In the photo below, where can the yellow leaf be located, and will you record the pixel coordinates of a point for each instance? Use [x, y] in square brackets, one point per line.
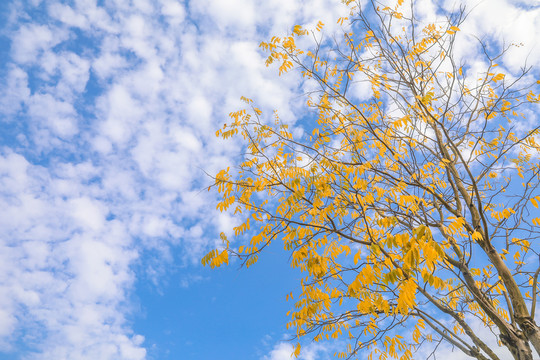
[357, 257]
[297, 350]
[477, 236]
[507, 212]
[341, 20]
[498, 77]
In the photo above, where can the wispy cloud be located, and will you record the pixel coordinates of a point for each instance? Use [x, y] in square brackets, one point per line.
[309, 351]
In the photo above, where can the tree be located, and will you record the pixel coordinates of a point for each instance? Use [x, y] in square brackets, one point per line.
[412, 213]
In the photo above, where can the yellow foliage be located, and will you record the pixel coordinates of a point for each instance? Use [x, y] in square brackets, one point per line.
[399, 209]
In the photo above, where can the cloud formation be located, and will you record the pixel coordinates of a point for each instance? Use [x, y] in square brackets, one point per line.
[109, 112]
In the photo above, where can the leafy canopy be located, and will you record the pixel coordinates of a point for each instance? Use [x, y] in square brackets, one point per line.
[411, 211]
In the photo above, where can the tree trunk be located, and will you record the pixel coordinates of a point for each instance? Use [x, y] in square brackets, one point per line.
[518, 345]
[531, 331]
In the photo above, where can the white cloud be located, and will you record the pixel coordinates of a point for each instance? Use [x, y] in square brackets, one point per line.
[282, 351]
[87, 212]
[58, 117]
[109, 64]
[32, 40]
[16, 92]
[8, 323]
[122, 113]
[68, 15]
[63, 264]
[174, 12]
[73, 70]
[239, 15]
[500, 21]
[309, 351]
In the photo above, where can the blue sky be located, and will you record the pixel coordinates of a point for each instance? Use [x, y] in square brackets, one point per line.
[108, 111]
